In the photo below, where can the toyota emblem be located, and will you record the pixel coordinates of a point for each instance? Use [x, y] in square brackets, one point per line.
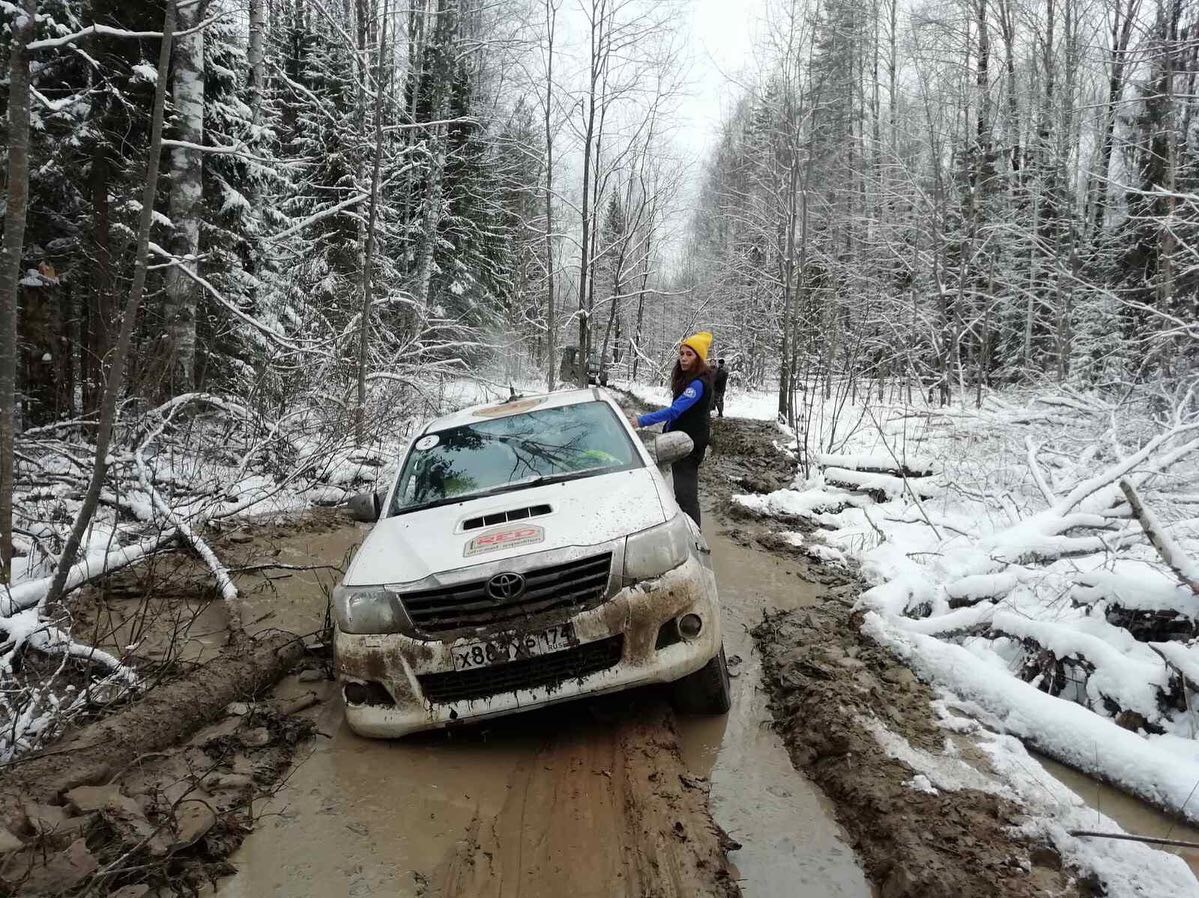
[506, 586]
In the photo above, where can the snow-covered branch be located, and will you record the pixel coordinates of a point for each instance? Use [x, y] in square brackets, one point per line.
[108, 31]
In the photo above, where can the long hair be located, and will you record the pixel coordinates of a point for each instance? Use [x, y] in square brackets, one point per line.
[680, 378]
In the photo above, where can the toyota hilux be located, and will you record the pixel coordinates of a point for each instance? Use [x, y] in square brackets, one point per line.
[527, 552]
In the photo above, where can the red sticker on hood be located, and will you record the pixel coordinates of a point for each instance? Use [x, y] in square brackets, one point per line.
[504, 538]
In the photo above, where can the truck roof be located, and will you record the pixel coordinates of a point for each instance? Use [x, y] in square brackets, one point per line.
[503, 408]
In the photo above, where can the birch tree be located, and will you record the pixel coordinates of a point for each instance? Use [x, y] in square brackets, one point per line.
[186, 177]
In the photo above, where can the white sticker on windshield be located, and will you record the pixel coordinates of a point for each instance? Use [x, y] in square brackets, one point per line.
[426, 443]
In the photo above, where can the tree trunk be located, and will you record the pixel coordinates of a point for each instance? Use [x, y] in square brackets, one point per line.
[116, 374]
[636, 353]
[257, 59]
[432, 221]
[1167, 244]
[100, 311]
[444, 38]
[551, 317]
[1007, 28]
[44, 350]
[369, 252]
[597, 39]
[10, 264]
[1121, 35]
[785, 397]
[181, 293]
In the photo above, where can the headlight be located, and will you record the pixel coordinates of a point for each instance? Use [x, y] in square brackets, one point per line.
[366, 609]
[657, 550]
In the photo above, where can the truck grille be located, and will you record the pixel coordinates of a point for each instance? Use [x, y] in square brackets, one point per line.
[527, 673]
[571, 587]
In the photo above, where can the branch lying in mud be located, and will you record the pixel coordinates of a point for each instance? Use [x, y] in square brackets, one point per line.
[199, 546]
[1130, 837]
[281, 566]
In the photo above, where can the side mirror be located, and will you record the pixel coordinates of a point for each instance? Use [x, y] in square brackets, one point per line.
[671, 447]
[364, 507]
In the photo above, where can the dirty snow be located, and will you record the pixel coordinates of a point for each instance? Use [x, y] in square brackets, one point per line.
[1125, 868]
[1015, 575]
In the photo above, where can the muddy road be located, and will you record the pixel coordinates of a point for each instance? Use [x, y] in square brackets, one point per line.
[616, 796]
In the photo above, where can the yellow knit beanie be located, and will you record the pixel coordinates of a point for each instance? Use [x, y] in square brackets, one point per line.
[700, 343]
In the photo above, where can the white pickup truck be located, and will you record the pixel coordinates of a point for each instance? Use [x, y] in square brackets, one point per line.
[528, 552]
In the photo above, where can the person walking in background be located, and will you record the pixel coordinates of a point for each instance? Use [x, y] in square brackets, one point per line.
[720, 379]
[691, 387]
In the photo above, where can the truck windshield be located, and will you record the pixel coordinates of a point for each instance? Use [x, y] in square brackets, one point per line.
[507, 453]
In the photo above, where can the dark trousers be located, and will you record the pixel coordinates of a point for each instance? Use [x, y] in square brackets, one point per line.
[685, 474]
[718, 401]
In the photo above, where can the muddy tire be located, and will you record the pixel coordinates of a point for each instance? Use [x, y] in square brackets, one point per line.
[707, 690]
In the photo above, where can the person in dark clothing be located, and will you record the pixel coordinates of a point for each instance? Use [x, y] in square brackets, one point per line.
[691, 387]
[720, 380]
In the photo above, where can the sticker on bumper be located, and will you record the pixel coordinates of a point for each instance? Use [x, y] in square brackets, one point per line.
[507, 538]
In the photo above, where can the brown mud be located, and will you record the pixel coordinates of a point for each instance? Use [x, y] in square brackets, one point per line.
[156, 792]
[823, 676]
[610, 797]
[601, 811]
[589, 798]
[165, 822]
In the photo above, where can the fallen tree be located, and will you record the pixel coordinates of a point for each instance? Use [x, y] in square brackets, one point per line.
[159, 719]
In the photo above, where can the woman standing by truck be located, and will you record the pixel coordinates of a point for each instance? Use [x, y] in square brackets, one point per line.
[691, 387]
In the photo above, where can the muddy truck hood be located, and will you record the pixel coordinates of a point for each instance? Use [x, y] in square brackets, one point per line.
[583, 512]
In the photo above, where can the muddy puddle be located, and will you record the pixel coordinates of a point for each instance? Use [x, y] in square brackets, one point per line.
[791, 845]
[1133, 815]
[526, 804]
[167, 609]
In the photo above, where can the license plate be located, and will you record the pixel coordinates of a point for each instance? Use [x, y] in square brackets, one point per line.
[510, 648]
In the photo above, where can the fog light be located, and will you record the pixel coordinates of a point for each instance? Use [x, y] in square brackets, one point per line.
[690, 626]
[668, 635]
[366, 694]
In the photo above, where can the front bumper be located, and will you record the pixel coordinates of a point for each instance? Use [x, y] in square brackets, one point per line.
[396, 662]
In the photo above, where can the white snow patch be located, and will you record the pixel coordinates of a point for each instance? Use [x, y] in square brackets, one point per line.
[1058, 727]
[921, 783]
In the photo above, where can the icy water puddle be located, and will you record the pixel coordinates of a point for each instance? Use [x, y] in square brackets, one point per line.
[1133, 815]
[792, 847]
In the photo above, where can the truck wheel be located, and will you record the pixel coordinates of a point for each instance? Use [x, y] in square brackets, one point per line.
[707, 690]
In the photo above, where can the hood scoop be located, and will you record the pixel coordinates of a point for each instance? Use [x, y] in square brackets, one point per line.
[503, 517]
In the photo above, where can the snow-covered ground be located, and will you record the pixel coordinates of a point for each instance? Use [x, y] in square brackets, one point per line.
[1006, 567]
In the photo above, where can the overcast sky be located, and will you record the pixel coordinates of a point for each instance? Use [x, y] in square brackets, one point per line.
[719, 40]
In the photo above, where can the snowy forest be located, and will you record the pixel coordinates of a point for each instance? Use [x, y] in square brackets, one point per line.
[948, 248]
[964, 194]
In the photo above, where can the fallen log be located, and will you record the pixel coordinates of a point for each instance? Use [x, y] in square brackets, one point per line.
[876, 464]
[881, 487]
[164, 716]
